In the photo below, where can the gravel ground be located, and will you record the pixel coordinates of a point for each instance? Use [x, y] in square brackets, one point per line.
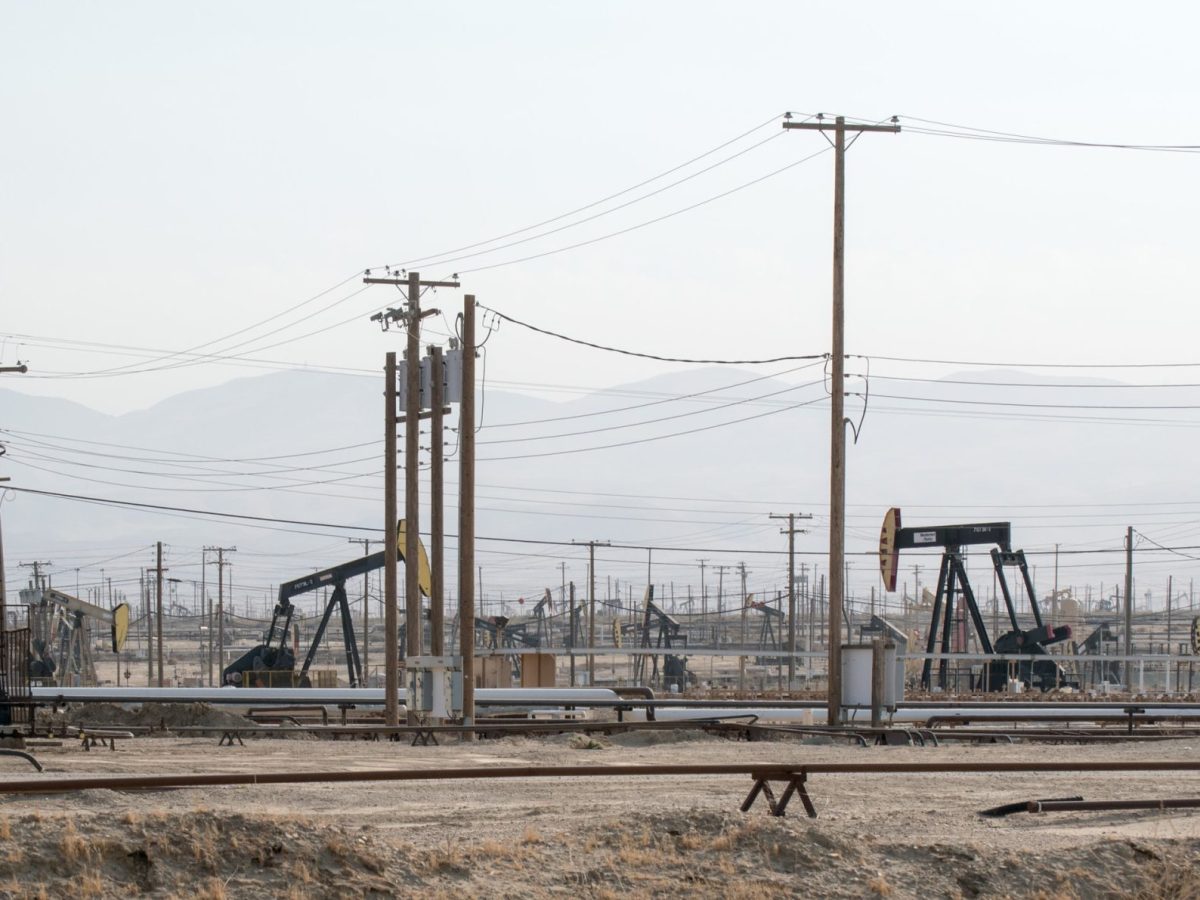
[876, 835]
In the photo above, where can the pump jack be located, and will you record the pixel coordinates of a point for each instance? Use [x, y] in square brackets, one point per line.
[670, 635]
[257, 665]
[952, 581]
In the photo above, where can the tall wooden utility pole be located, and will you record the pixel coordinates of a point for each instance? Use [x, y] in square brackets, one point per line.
[466, 516]
[411, 316]
[148, 610]
[206, 611]
[158, 607]
[791, 531]
[745, 610]
[366, 618]
[592, 545]
[437, 525]
[1128, 605]
[837, 376]
[391, 637]
[221, 564]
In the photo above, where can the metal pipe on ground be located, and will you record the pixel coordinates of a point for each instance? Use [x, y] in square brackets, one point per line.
[761, 771]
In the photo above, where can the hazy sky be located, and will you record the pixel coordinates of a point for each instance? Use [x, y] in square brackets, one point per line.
[215, 177]
[174, 173]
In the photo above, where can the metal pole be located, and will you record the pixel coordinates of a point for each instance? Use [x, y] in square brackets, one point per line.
[391, 641]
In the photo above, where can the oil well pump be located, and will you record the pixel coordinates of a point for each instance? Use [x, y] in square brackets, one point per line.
[60, 635]
[263, 664]
[954, 585]
[670, 635]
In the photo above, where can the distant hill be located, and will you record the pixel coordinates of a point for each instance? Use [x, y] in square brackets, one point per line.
[953, 460]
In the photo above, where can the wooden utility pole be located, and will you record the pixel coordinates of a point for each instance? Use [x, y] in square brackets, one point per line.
[411, 316]
[221, 564]
[148, 610]
[745, 610]
[158, 607]
[721, 570]
[591, 545]
[366, 617]
[837, 375]
[791, 531]
[391, 638]
[466, 515]
[206, 611]
[437, 525]
[1128, 605]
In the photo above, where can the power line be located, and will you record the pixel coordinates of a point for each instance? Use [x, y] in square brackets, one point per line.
[1031, 365]
[593, 204]
[654, 221]
[984, 134]
[654, 356]
[434, 261]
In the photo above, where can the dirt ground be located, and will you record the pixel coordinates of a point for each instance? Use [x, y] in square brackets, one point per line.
[876, 836]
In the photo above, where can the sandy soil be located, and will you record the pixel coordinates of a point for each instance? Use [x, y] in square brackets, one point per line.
[895, 836]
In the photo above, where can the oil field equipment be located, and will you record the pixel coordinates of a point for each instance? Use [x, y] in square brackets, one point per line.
[670, 635]
[60, 629]
[1036, 670]
[272, 663]
[771, 633]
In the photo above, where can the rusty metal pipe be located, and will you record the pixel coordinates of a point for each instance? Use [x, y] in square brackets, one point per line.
[1044, 806]
[763, 771]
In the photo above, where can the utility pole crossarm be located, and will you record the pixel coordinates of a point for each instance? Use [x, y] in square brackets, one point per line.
[404, 281]
[830, 126]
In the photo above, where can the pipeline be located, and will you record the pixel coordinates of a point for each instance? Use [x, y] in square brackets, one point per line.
[1045, 806]
[771, 771]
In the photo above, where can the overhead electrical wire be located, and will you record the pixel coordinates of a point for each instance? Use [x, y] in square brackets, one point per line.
[671, 171]
[670, 215]
[675, 359]
[948, 129]
[534, 237]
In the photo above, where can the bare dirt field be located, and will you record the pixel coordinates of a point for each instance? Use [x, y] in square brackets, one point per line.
[876, 836]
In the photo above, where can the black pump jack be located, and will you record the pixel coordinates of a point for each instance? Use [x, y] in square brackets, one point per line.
[953, 581]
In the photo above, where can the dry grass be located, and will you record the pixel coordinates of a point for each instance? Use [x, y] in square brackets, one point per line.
[531, 835]
[89, 884]
[71, 846]
[212, 889]
[5, 829]
[131, 818]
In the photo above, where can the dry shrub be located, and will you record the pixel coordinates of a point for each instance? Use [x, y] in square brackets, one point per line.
[5, 829]
[446, 858]
[880, 886]
[531, 835]
[495, 849]
[336, 846]
[131, 818]
[302, 873]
